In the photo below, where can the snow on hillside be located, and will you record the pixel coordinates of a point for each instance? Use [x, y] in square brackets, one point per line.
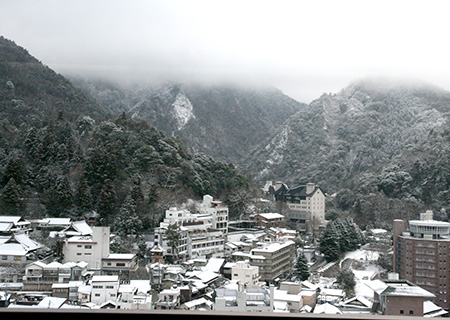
[182, 110]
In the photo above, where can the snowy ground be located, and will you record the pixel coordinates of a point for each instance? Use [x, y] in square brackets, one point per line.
[363, 264]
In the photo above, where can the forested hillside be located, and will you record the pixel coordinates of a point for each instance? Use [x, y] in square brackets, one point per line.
[222, 120]
[62, 155]
[340, 135]
[380, 146]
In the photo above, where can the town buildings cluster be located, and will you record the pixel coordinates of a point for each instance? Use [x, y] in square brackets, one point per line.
[198, 259]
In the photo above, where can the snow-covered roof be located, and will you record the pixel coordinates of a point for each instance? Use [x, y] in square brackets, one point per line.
[205, 276]
[6, 226]
[80, 228]
[12, 219]
[432, 310]
[57, 221]
[51, 303]
[327, 308]
[18, 245]
[197, 302]
[283, 295]
[214, 264]
[121, 256]
[272, 215]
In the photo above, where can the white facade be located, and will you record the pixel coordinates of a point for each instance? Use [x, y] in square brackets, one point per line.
[202, 234]
[243, 272]
[244, 300]
[104, 288]
[168, 299]
[218, 211]
[91, 249]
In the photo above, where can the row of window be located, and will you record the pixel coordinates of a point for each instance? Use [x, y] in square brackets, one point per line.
[101, 287]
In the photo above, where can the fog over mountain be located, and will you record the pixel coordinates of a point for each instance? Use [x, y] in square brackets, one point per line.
[304, 48]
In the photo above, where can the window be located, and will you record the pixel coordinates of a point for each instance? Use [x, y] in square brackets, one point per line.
[402, 312]
[411, 312]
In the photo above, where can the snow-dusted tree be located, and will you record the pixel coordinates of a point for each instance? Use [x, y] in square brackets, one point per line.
[10, 198]
[173, 238]
[346, 278]
[329, 244]
[302, 267]
[128, 221]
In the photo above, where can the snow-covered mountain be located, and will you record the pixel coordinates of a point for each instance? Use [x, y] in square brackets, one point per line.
[223, 121]
[340, 135]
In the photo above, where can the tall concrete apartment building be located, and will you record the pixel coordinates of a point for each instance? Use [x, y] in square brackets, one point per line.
[422, 254]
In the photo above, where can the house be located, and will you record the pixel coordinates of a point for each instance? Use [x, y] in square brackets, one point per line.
[76, 228]
[168, 299]
[17, 249]
[134, 295]
[61, 290]
[14, 224]
[89, 248]
[240, 299]
[51, 303]
[356, 305]
[200, 304]
[326, 308]
[40, 275]
[157, 254]
[289, 293]
[333, 296]
[243, 272]
[73, 290]
[104, 288]
[270, 220]
[399, 297]
[431, 310]
[55, 223]
[122, 264]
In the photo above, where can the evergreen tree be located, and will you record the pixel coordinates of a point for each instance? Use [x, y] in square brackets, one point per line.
[15, 168]
[173, 238]
[60, 198]
[10, 197]
[302, 267]
[107, 202]
[83, 198]
[346, 278]
[329, 244]
[127, 221]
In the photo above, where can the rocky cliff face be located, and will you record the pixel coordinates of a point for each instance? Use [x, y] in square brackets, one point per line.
[223, 121]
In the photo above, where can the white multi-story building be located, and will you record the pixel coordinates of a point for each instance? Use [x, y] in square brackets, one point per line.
[218, 211]
[202, 234]
[244, 300]
[92, 248]
[243, 272]
[104, 288]
[306, 204]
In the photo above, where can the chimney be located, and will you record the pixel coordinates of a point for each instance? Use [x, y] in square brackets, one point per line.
[393, 276]
[310, 188]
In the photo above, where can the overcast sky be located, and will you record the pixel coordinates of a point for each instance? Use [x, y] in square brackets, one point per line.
[304, 48]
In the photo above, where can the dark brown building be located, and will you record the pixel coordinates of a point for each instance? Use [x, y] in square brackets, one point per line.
[422, 253]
